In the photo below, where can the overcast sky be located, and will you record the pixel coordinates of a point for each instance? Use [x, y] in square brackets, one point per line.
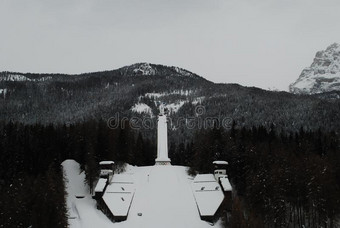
[263, 43]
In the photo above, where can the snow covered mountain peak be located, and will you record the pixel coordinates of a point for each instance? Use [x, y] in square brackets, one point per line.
[139, 69]
[323, 75]
[334, 47]
[144, 69]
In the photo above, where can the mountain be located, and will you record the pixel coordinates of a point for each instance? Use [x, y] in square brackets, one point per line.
[154, 69]
[136, 91]
[61, 98]
[322, 76]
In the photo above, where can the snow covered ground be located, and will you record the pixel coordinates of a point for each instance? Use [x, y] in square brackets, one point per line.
[172, 107]
[3, 92]
[163, 196]
[21, 78]
[142, 108]
[175, 92]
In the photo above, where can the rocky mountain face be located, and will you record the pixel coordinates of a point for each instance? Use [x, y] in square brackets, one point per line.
[136, 90]
[322, 76]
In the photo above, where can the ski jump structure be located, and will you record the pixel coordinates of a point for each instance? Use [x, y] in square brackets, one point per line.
[114, 193]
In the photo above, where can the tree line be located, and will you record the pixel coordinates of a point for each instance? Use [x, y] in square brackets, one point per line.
[32, 191]
[280, 180]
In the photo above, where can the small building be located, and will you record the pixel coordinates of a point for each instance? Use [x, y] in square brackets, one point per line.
[220, 173]
[220, 169]
[117, 198]
[208, 196]
[106, 169]
[114, 193]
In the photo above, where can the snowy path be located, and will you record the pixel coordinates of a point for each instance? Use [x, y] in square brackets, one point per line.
[163, 196]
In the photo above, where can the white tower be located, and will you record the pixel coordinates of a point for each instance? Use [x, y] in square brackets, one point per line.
[162, 139]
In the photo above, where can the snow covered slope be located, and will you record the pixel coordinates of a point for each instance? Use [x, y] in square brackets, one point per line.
[154, 69]
[20, 78]
[323, 75]
[163, 197]
[80, 209]
[142, 108]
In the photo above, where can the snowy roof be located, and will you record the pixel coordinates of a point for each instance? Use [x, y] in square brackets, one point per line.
[100, 185]
[106, 163]
[225, 183]
[120, 188]
[118, 195]
[206, 186]
[220, 163]
[204, 178]
[122, 178]
[118, 203]
[208, 194]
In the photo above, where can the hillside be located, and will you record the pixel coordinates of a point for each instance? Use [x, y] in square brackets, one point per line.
[135, 91]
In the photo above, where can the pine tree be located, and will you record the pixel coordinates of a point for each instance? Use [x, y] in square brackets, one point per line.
[139, 151]
[91, 166]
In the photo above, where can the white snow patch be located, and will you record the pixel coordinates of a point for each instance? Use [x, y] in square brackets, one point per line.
[3, 92]
[144, 69]
[42, 79]
[144, 108]
[183, 72]
[182, 92]
[175, 92]
[154, 95]
[20, 78]
[75, 184]
[198, 100]
[174, 107]
[141, 108]
[14, 77]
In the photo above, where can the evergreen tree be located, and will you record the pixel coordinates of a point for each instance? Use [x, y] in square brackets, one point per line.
[91, 166]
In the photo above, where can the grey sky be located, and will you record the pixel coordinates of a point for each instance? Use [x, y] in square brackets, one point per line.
[263, 43]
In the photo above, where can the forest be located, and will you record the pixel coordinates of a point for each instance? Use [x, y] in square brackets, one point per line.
[31, 179]
[72, 99]
[280, 179]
